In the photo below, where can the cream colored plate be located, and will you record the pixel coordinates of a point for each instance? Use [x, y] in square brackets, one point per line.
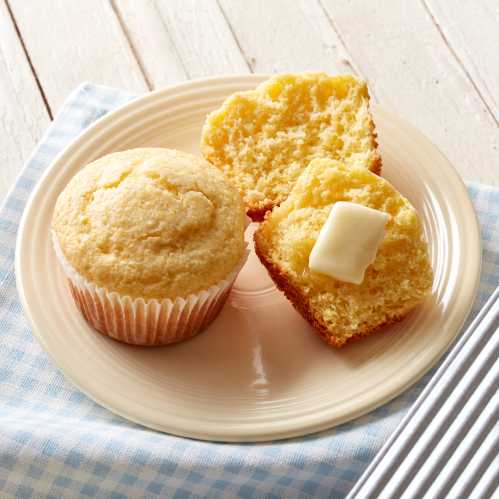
[259, 372]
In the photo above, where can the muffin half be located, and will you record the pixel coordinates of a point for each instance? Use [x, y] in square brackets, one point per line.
[263, 139]
[151, 241]
[398, 279]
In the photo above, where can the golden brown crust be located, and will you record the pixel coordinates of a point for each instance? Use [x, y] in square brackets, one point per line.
[302, 305]
[376, 165]
[257, 214]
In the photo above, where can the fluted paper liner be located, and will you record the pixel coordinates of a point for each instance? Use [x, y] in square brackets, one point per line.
[146, 322]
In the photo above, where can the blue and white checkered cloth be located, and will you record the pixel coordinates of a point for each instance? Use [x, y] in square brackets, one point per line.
[55, 442]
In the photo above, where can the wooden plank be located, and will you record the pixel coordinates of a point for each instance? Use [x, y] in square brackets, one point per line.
[471, 30]
[281, 36]
[413, 72]
[72, 42]
[202, 37]
[177, 39]
[23, 116]
[152, 43]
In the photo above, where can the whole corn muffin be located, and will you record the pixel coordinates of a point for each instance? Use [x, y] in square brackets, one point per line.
[399, 278]
[154, 229]
[263, 139]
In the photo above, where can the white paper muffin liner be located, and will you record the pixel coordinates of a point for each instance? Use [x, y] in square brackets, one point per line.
[146, 322]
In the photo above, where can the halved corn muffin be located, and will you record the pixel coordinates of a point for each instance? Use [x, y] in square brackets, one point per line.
[399, 278]
[263, 139]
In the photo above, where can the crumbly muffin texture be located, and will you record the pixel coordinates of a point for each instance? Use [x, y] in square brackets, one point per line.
[398, 279]
[264, 138]
[151, 223]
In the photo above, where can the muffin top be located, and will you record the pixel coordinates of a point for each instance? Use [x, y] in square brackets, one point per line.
[150, 223]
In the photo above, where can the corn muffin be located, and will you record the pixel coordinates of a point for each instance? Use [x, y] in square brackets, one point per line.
[263, 139]
[156, 228]
[399, 278]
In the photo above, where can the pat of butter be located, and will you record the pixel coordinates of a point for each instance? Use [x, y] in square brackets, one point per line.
[348, 242]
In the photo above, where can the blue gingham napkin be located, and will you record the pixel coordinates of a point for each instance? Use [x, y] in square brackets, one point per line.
[55, 442]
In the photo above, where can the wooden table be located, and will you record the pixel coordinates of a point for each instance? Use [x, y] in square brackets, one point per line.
[435, 62]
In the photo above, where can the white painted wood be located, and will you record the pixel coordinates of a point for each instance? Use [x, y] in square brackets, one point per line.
[23, 116]
[195, 31]
[413, 72]
[471, 29]
[202, 37]
[431, 61]
[152, 43]
[72, 42]
[281, 36]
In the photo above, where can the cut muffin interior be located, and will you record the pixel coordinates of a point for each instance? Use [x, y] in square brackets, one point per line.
[264, 138]
[399, 278]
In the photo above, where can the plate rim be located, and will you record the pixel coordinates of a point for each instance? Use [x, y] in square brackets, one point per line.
[312, 427]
